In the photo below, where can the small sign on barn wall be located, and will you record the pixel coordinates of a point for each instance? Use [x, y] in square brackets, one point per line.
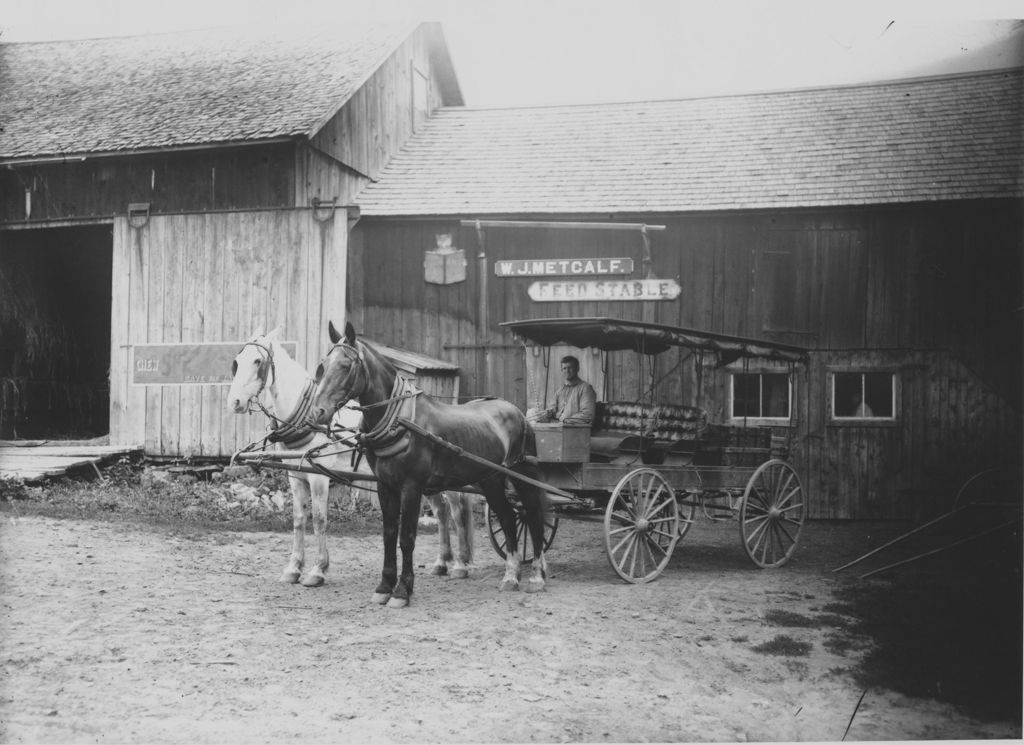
[446, 265]
[606, 289]
[561, 267]
[188, 364]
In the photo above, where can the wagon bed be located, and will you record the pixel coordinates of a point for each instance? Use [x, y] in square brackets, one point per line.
[649, 467]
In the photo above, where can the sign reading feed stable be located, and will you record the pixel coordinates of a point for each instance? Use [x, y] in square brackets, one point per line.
[607, 289]
[188, 364]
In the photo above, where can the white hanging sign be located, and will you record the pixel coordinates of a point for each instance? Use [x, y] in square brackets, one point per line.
[604, 289]
[565, 267]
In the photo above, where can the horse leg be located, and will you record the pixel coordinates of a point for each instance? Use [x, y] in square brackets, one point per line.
[318, 487]
[494, 492]
[534, 503]
[389, 511]
[411, 499]
[461, 506]
[439, 504]
[300, 492]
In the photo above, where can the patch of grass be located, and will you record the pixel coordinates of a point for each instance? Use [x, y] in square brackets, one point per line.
[784, 646]
[789, 619]
[842, 609]
[797, 668]
[793, 620]
[833, 620]
[839, 644]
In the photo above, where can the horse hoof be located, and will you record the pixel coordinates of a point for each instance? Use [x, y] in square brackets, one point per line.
[460, 573]
[534, 586]
[509, 586]
[398, 602]
[313, 580]
[380, 598]
[439, 570]
[290, 577]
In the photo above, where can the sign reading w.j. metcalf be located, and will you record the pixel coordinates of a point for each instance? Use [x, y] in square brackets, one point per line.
[561, 267]
[604, 289]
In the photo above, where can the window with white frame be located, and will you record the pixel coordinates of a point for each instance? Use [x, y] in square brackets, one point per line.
[761, 395]
[863, 395]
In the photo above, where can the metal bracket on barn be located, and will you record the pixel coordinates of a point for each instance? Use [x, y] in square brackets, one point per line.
[323, 209]
[354, 213]
[138, 214]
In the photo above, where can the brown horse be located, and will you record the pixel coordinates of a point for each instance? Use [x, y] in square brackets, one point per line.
[409, 463]
[265, 376]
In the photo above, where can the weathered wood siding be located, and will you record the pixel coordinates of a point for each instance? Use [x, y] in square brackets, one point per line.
[933, 291]
[356, 143]
[222, 179]
[210, 278]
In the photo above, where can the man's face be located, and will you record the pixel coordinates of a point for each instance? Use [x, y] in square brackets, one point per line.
[569, 371]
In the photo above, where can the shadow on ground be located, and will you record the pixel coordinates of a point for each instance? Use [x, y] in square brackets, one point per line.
[946, 627]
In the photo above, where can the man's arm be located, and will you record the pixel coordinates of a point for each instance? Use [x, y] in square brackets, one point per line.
[587, 407]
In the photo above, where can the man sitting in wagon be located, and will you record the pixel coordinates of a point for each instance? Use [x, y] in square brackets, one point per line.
[576, 400]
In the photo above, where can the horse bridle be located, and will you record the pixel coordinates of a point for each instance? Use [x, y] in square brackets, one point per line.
[348, 385]
[266, 369]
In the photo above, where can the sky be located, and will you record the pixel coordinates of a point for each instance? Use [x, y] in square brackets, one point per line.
[530, 53]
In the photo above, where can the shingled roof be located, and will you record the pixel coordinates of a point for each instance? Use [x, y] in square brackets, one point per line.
[955, 137]
[182, 89]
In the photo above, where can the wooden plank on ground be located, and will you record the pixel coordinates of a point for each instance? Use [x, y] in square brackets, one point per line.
[37, 463]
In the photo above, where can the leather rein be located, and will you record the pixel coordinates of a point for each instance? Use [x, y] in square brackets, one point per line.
[387, 436]
[293, 431]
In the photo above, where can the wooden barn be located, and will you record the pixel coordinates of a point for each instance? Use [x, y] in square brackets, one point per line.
[163, 197]
[879, 226]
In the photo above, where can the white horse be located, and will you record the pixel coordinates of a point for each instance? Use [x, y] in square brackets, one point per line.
[264, 374]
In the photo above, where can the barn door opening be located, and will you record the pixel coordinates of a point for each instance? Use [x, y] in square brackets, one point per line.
[55, 287]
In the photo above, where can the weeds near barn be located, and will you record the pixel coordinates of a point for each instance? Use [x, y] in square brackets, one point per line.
[148, 495]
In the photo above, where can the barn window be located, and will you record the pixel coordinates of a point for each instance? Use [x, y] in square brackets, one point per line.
[863, 395]
[761, 395]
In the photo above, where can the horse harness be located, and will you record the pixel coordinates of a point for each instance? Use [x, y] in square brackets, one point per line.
[293, 432]
[390, 437]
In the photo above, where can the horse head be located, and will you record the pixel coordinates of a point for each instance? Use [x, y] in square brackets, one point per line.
[251, 370]
[340, 377]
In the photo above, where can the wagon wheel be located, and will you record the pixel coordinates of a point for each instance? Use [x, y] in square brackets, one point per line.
[688, 504]
[497, 535]
[772, 513]
[641, 525]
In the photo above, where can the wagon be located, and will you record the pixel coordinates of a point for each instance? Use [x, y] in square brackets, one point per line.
[649, 468]
[645, 468]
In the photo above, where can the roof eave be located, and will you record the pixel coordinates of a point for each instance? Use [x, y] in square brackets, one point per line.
[50, 158]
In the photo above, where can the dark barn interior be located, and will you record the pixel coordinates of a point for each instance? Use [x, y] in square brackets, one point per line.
[55, 300]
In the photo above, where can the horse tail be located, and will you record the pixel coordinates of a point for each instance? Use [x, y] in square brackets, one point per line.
[466, 517]
[529, 439]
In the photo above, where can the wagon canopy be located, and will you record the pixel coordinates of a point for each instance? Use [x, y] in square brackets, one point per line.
[614, 334]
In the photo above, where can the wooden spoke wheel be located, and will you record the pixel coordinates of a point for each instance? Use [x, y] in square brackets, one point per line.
[772, 513]
[688, 504]
[497, 535]
[641, 525]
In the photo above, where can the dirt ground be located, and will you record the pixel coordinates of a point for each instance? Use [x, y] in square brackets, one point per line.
[115, 632]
